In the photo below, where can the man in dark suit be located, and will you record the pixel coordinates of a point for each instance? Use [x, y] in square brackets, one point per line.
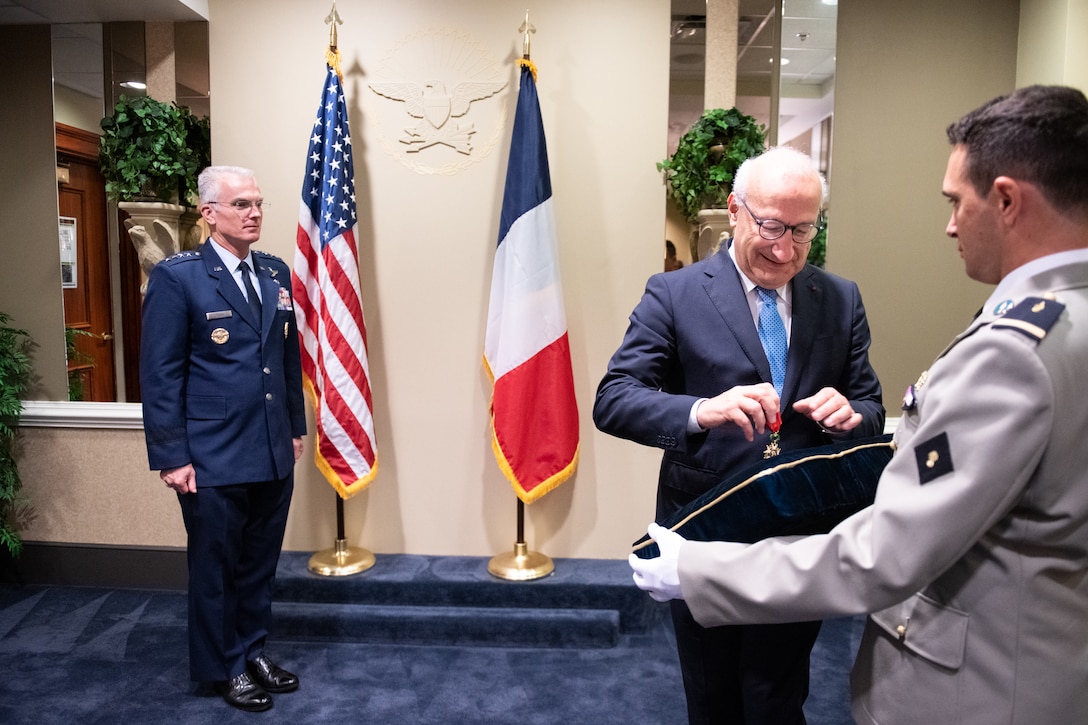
[700, 374]
[224, 417]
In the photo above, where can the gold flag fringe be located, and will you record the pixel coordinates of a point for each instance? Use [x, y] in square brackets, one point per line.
[332, 57]
[526, 63]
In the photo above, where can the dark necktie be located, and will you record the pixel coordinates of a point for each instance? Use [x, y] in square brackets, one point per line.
[772, 333]
[251, 293]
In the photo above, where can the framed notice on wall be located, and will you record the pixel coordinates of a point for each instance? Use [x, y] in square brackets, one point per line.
[68, 275]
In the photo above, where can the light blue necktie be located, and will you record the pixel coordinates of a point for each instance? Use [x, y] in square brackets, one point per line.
[772, 333]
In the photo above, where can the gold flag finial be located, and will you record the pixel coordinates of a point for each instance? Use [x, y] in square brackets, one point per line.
[526, 28]
[332, 55]
[332, 20]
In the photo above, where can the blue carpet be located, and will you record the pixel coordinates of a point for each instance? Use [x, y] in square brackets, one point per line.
[87, 655]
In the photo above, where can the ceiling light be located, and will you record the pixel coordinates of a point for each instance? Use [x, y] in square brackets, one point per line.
[683, 31]
[135, 85]
[830, 2]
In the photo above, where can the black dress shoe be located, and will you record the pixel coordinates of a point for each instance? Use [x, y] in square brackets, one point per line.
[271, 676]
[245, 694]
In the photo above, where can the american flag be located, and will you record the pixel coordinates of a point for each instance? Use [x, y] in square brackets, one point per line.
[534, 416]
[328, 304]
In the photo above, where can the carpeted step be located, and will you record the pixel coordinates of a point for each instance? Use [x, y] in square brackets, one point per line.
[403, 598]
[446, 626]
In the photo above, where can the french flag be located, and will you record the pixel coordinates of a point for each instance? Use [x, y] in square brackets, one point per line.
[534, 415]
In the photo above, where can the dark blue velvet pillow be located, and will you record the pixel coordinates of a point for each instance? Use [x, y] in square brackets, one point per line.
[807, 491]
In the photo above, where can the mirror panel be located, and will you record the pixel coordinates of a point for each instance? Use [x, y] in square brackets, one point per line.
[94, 64]
[795, 106]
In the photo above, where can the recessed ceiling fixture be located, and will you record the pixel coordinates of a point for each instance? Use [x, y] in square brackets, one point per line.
[686, 27]
[688, 58]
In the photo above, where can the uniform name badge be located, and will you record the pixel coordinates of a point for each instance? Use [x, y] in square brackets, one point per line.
[772, 448]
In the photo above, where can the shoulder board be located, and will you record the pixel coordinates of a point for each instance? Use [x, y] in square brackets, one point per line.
[182, 256]
[1032, 316]
[266, 255]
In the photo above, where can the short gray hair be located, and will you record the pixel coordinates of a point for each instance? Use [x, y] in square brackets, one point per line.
[795, 160]
[208, 182]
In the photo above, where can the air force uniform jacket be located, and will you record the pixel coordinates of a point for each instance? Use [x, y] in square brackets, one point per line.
[220, 389]
[974, 555]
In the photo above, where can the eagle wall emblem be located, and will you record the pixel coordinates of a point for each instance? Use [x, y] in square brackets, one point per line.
[435, 106]
[437, 110]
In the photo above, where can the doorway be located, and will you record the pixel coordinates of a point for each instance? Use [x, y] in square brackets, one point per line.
[85, 259]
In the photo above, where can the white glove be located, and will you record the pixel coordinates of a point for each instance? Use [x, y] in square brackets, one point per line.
[660, 577]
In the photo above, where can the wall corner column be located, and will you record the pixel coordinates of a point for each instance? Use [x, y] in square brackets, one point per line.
[720, 84]
[159, 56]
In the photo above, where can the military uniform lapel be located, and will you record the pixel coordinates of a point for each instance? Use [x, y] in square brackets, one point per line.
[226, 284]
[270, 294]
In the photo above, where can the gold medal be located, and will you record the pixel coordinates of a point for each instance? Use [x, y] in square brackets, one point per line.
[220, 335]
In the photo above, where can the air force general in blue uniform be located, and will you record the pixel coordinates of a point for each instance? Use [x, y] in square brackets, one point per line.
[223, 410]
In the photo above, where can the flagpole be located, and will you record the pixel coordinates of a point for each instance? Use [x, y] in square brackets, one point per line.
[522, 564]
[341, 559]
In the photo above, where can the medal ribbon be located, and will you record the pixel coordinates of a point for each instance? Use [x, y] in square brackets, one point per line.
[772, 449]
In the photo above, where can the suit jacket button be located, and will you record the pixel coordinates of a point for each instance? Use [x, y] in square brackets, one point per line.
[267, 371]
[268, 396]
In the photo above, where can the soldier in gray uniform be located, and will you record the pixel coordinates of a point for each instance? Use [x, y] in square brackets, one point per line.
[974, 556]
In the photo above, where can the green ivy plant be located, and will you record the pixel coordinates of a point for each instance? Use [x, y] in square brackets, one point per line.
[700, 173]
[15, 370]
[198, 137]
[817, 253]
[152, 151]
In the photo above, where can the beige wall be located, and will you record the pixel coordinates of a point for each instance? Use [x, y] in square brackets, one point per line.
[73, 108]
[893, 101]
[30, 247]
[94, 487]
[427, 242]
[1052, 47]
[426, 249]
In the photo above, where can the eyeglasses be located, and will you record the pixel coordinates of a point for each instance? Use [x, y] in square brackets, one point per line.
[242, 205]
[771, 229]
